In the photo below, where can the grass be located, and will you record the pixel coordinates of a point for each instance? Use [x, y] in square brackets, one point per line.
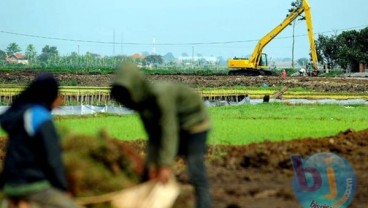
[240, 124]
[253, 92]
[259, 92]
[127, 127]
[276, 121]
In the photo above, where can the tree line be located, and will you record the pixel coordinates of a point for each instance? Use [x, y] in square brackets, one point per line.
[346, 50]
[49, 58]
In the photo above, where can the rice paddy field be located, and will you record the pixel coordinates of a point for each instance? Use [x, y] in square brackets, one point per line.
[240, 124]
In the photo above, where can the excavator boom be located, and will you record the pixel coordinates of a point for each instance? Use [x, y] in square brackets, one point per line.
[312, 46]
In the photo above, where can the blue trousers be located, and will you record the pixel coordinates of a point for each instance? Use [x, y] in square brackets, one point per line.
[193, 147]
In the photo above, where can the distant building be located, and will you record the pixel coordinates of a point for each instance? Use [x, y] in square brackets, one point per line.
[208, 60]
[17, 58]
[137, 56]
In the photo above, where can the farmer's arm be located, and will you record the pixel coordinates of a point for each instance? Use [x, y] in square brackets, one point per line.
[52, 164]
[168, 123]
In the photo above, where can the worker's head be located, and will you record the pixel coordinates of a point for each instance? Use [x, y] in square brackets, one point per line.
[44, 90]
[130, 87]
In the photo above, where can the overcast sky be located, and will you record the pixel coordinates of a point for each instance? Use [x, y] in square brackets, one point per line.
[175, 26]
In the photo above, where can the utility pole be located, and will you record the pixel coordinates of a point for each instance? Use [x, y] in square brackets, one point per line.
[113, 44]
[192, 57]
[153, 46]
[121, 43]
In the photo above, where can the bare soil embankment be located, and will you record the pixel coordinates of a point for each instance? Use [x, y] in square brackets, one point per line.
[260, 175]
[312, 83]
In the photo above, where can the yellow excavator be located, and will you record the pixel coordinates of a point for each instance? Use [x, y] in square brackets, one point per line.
[257, 63]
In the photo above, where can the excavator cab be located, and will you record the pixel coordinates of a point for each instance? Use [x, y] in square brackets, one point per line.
[263, 63]
[243, 66]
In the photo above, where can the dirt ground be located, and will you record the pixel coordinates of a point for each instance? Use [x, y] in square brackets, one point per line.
[339, 84]
[260, 175]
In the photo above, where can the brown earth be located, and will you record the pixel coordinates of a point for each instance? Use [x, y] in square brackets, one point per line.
[314, 83]
[260, 175]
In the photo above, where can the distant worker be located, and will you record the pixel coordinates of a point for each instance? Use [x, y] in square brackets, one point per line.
[176, 121]
[247, 98]
[33, 171]
[266, 98]
[283, 74]
[302, 71]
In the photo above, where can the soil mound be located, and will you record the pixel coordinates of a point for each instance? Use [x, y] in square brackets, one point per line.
[323, 84]
[260, 175]
[256, 175]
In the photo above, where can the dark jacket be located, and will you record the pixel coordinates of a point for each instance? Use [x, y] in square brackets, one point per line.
[165, 108]
[33, 155]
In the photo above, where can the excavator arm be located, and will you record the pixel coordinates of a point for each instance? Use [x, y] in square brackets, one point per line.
[312, 46]
[256, 55]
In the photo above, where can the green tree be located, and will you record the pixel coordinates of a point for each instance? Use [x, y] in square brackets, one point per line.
[169, 57]
[302, 61]
[2, 56]
[48, 52]
[201, 61]
[222, 61]
[327, 49]
[145, 53]
[31, 52]
[94, 55]
[153, 59]
[347, 49]
[13, 48]
[349, 53]
[363, 45]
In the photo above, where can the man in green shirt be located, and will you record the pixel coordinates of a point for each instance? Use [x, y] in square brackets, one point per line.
[176, 121]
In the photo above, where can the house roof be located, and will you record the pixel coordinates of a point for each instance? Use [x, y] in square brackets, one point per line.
[137, 56]
[17, 56]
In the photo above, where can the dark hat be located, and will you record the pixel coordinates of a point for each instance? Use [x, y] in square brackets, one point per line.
[42, 90]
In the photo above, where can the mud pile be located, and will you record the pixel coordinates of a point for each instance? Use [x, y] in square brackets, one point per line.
[260, 175]
[95, 166]
[324, 84]
[255, 176]
[99, 165]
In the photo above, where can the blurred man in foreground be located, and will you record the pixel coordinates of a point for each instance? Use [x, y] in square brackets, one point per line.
[176, 121]
[33, 171]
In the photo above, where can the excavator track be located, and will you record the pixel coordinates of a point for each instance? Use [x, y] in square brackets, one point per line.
[252, 72]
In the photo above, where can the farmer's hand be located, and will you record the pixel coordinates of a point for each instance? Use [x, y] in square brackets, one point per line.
[164, 174]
